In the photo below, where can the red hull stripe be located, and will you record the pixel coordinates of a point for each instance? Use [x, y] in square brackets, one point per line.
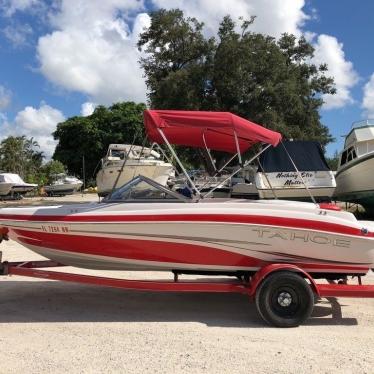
[149, 250]
[232, 218]
[134, 249]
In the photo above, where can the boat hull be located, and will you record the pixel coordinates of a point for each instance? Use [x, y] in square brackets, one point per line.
[198, 242]
[23, 188]
[355, 182]
[5, 188]
[106, 177]
[300, 194]
[289, 185]
[66, 188]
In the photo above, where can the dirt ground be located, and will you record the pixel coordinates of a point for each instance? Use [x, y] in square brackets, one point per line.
[57, 327]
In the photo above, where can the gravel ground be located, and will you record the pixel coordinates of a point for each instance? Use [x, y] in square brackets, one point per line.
[58, 327]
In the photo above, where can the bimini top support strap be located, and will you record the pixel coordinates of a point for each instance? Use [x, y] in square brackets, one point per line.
[299, 174]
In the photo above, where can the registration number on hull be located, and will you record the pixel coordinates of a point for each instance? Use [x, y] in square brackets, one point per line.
[57, 229]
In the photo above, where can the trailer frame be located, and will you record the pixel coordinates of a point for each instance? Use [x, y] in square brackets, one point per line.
[250, 287]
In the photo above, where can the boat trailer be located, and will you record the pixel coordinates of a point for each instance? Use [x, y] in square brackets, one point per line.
[276, 288]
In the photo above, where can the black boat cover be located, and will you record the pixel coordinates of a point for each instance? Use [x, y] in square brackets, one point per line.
[307, 156]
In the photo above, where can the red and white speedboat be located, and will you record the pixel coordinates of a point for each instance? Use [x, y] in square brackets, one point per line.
[276, 249]
[144, 225]
[142, 233]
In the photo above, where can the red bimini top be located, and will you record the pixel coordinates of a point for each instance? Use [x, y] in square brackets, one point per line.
[191, 128]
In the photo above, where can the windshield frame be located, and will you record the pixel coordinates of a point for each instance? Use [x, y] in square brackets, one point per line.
[177, 197]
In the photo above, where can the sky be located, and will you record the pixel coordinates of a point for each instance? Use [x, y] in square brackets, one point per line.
[61, 58]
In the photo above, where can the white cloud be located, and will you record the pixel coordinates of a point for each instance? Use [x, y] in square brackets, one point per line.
[93, 51]
[5, 97]
[38, 123]
[9, 7]
[87, 108]
[328, 50]
[3, 121]
[274, 17]
[17, 34]
[368, 99]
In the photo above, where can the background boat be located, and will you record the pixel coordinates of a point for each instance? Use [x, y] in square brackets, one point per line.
[63, 185]
[277, 176]
[19, 186]
[135, 160]
[5, 187]
[355, 174]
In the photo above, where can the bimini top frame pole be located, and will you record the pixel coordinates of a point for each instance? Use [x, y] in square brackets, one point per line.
[238, 148]
[179, 162]
[237, 171]
[218, 171]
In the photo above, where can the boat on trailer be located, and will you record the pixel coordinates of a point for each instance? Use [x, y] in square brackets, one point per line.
[277, 177]
[274, 249]
[18, 186]
[62, 185]
[5, 188]
[355, 177]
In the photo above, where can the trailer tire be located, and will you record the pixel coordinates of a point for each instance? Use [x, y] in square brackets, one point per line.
[284, 299]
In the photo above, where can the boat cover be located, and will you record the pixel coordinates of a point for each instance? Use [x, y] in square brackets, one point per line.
[189, 128]
[11, 178]
[307, 156]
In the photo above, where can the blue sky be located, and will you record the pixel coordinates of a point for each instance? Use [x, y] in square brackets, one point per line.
[54, 55]
[352, 24]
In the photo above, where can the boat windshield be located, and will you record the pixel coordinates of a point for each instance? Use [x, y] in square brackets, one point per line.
[143, 189]
[364, 123]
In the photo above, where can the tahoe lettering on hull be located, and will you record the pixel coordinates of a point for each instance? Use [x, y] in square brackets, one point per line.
[302, 236]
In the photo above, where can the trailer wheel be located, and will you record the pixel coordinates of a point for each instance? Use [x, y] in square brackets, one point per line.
[284, 299]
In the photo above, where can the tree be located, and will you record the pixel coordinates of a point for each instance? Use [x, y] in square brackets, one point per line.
[269, 81]
[90, 136]
[48, 170]
[21, 155]
[333, 161]
[178, 61]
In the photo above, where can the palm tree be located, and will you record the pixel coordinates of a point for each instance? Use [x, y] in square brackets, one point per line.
[19, 155]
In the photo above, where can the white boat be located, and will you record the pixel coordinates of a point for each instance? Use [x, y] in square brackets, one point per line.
[146, 226]
[244, 184]
[125, 161]
[204, 183]
[5, 187]
[63, 185]
[278, 178]
[18, 185]
[355, 174]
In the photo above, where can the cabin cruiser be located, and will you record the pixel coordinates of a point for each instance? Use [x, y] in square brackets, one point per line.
[278, 178]
[144, 225]
[63, 184]
[18, 186]
[355, 176]
[123, 162]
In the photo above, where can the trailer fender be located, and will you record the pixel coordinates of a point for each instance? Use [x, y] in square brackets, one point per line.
[271, 268]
